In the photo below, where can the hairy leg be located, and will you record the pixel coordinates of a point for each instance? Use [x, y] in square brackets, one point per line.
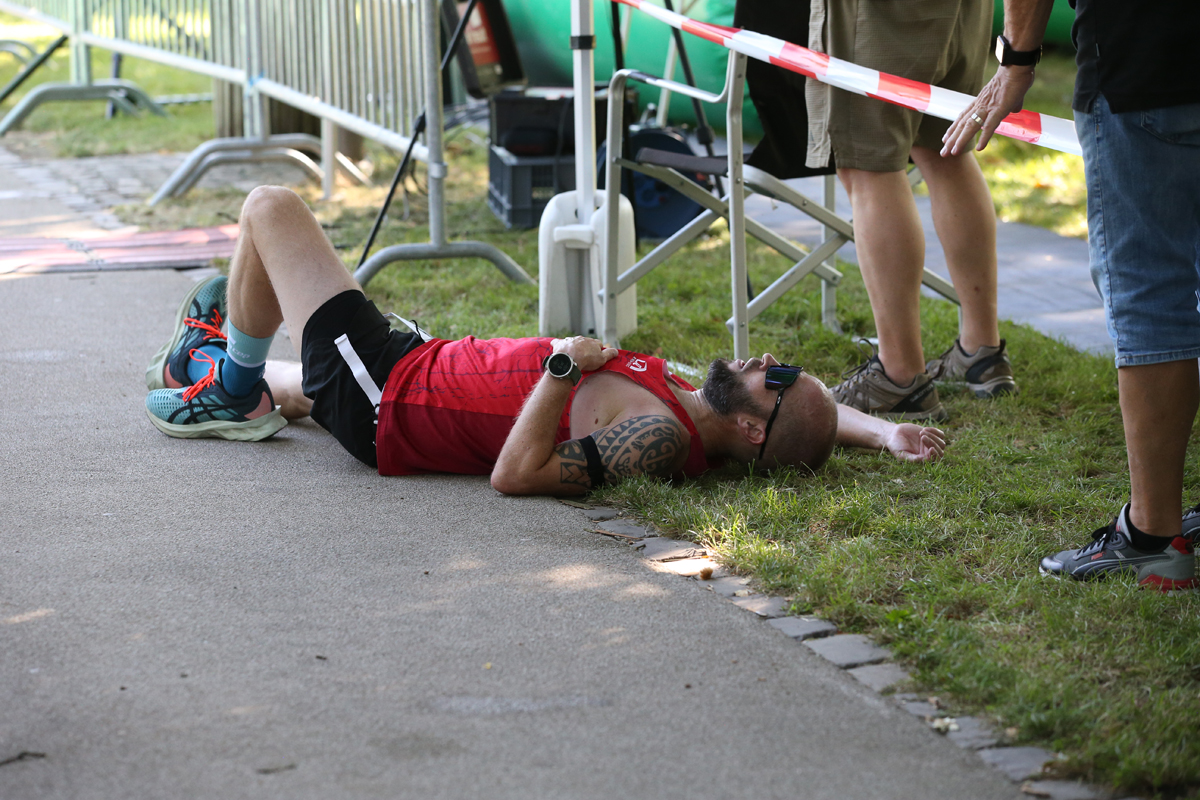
[891, 254]
[965, 220]
[1158, 406]
[284, 268]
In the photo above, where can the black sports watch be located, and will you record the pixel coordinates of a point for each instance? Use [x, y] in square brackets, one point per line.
[1015, 58]
[561, 365]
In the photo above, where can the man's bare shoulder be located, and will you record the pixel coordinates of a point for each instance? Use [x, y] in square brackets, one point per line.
[607, 398]
[635, 431]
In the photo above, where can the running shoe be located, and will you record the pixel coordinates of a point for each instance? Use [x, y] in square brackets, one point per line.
[1111, 552]
[869, 389]
[205, 410]
[197, 323]
[987, 373]
[1191, 525]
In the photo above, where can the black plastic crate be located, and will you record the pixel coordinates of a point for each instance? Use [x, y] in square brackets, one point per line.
[528, 122]
[520, 186]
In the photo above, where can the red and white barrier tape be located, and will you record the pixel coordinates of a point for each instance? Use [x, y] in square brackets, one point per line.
[1028, 126]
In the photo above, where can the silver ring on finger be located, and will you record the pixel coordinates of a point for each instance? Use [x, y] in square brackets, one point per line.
[977, 118]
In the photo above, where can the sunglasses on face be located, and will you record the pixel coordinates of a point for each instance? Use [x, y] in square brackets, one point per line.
[779, 377]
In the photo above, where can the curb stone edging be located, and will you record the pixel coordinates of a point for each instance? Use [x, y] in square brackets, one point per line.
[861, 658]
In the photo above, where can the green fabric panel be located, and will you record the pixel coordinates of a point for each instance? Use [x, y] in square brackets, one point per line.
[543, 32]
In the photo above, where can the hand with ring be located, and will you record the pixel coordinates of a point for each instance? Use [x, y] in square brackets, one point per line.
[1003, 95]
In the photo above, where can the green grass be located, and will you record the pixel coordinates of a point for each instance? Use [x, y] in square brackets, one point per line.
[938, 561]
[79, 128]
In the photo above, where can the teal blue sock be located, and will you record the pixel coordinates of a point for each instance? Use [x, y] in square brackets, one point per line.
[198, 367]
[246, 361]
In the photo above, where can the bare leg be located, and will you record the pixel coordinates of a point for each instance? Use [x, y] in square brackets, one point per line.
[1158, 406]
[283, 268]
[965, 220]
[891, 254]
[284, 378]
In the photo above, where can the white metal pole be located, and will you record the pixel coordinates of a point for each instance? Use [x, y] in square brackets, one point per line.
[735, 81]
[435, 165]
[829, 290]
[612, 199]
[329, 130]
[254, 113]
[583, 40]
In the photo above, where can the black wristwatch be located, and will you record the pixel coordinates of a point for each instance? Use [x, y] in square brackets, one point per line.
[1015, 58]
[561, 365]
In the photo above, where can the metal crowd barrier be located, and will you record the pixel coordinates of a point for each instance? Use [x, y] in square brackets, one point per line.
[367, 66]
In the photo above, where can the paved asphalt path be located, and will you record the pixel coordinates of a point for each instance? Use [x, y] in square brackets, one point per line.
[211, 619]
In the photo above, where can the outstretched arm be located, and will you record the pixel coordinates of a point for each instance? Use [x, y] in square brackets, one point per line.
[1024, 26]
[905, 441]
[530, 463]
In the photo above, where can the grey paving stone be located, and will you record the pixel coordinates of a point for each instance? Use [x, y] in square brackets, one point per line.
[1018, 763]
[625, 529]
[663, 549]
[880, 676]
[600, 514]
[973, 734]
[849, 650]
[763, 605]
[803, 627]
[727, 586]
[1061, 790]
[920, 708]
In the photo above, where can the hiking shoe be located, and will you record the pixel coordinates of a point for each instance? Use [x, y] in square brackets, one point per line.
[197, 323]
[869, 389]
[205, 410]
[1111, 552]
[987, 373]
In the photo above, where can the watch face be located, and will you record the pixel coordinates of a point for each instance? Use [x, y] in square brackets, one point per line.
[1000, 49]
[559, 365]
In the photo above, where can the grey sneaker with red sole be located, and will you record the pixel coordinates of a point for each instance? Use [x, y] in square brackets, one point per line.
[1111, 552]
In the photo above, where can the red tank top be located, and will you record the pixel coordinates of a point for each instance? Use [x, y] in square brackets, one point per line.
[449, 406]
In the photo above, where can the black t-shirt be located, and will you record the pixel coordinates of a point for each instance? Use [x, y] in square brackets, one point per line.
[1139, 54]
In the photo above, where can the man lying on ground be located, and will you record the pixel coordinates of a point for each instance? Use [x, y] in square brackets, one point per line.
[541, 416]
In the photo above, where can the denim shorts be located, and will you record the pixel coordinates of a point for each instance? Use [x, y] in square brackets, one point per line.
[1143, 189]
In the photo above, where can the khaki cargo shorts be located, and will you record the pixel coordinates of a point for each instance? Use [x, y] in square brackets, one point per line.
[940, 42]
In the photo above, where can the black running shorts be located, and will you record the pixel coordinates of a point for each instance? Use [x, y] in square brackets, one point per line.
[340, 406]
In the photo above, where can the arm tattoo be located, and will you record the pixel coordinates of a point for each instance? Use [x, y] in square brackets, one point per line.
[574, 464]
[648, 445]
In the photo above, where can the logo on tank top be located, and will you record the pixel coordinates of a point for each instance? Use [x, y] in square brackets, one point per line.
[636, 364]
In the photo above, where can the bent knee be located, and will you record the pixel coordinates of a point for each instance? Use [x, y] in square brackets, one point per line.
[272, 202]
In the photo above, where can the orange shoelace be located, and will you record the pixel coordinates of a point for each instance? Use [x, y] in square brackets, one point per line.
[213, 331]
[206, 381]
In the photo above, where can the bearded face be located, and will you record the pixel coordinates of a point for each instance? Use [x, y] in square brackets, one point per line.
[725, 390]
